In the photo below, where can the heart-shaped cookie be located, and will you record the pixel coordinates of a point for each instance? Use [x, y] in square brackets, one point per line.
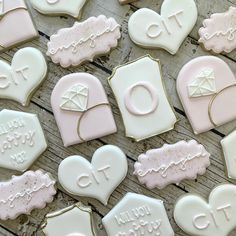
[58, 7]
[200, 87]
[168, 30]
[19, 80]
[218, 217]
[97, 179]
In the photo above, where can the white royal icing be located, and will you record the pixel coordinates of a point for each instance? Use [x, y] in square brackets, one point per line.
[218, 217]
[59, 7]
[142, 100]
[22, 140]
[26, 72]
[203, 85]
[138, 215]
[99, 179]
[168, 30]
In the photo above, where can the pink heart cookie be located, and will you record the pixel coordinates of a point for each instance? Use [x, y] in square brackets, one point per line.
[81, 109]
[207, 90]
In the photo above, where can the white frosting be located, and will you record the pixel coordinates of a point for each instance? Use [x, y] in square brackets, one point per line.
[229, 148]
[97, 179]
[72, 221]
[146, 111]
[218, 217]
[75, 98]
[168, 30]
[203, 85]
[57, 7]
[138, 215]
[22, 140]
[26, 73]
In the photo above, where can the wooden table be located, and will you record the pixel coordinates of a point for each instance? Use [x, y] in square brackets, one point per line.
[102, 68]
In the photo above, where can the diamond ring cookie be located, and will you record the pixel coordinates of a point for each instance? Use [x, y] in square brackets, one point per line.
[15, 15]
[81, 109]
[137, 213]
[197, 217]
[219, 32]
[171, 164]
[75, 220]
[59, 7]
[22, 194]
[27, 71]
[168, 30]
[97, 179]
[22, 140]
[84, 41]
[200, 87]
[141, 97]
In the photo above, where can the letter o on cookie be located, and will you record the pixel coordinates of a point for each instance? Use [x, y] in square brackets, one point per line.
[130, 106]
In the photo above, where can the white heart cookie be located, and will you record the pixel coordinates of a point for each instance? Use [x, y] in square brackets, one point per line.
[99, 179]
[57, 7]
[218, 217]
[19, 80]
[168, 30]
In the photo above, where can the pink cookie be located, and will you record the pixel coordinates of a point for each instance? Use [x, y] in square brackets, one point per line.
[16, 25]
[219, 32]
[81, 109]
[171, 164]
[24, 193]
[82, 42]
[207, 90]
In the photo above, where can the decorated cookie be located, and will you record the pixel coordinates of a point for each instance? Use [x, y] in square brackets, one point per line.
[229, 149]
[217, 217]
[138, 215]
[122, 2]
[14, 15]
[201, 88]
[141, 97]
[59, 7]
[83, 41]
[22, 140]
[97, 179]
[81, 109]
[75, 220]
[219, 32]
[171, 164]
[150, 30]
[26, 72]
[22, 194]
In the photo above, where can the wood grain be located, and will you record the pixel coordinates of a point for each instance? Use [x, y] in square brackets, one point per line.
[102, 68]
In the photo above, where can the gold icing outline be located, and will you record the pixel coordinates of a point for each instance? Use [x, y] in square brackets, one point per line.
[213, 99]
[84, 113]
[78, 205]
[164, 88]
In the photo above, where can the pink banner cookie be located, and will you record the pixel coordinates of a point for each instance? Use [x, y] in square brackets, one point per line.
[171, 164]
[219, 32]
[14, 15]
[81, 109]
[201, 88]
[82, 42]
[24, 193]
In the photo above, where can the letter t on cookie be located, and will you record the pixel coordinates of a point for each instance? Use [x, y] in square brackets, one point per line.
[141, 97]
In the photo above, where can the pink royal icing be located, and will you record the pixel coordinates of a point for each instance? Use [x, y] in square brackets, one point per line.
[81, 109]
[171, 164]
[207, 84]
[219, 32]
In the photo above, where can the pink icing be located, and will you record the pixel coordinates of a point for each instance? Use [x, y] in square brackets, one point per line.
[171, 164]
[84, 41]
[24, 193]
[15, 26]
[197, 108]
[95, 123]
[219, 32]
